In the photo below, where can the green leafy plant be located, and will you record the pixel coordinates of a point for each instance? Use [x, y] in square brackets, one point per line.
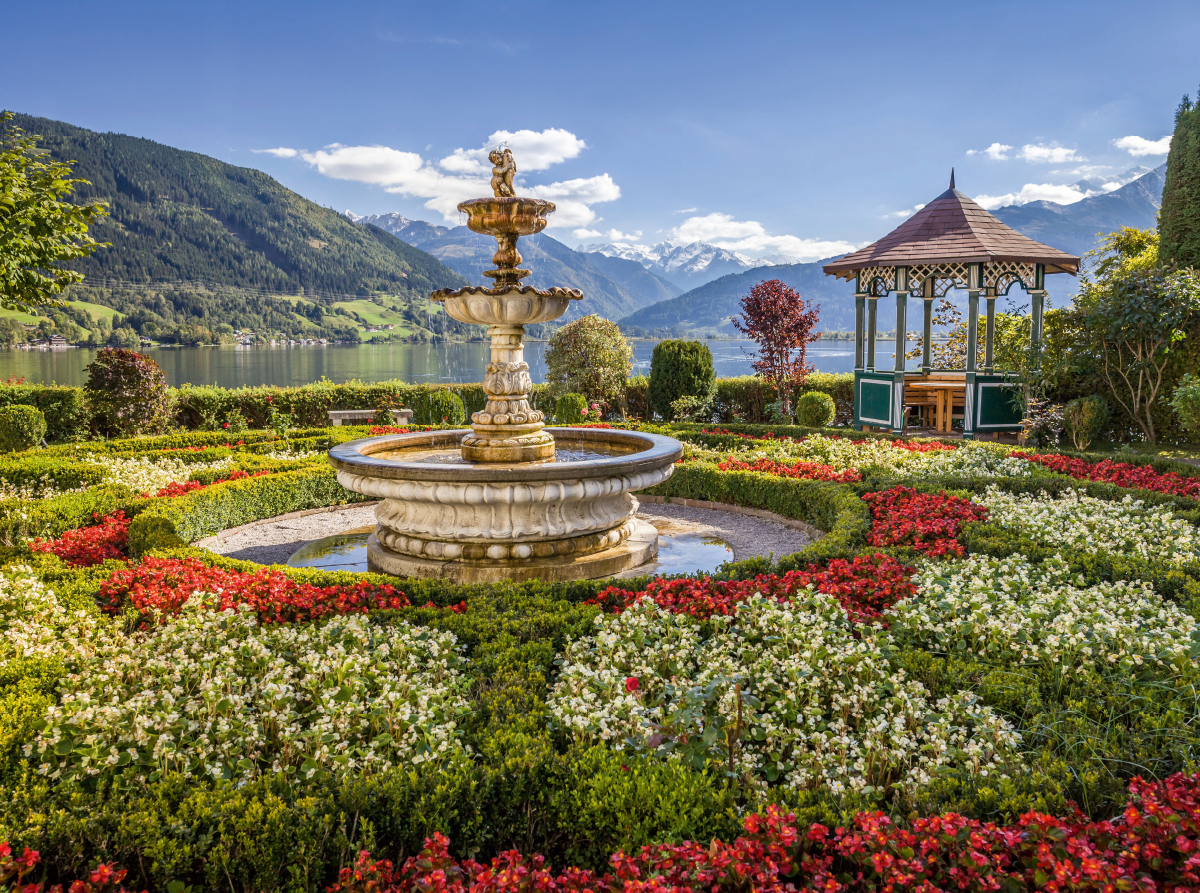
[438, 408]
[691, 409]
[680, 369]
[1186, 402]
[815, 410]
[1084, 418]
[38, 230]
[21, 427]
[1138, 314]
[127, 393]
[589, 356]
[570, 409]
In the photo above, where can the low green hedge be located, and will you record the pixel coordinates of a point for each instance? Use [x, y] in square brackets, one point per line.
[64, 407]
[185, 519]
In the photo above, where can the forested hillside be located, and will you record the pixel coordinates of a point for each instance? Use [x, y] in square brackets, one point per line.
[197, 243]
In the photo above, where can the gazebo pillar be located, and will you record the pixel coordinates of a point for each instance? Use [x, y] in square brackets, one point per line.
[974, 287]
[927, 331]
[860, 301]
[1037, 296]
[989, 333]
[872, 300]
[901, 342]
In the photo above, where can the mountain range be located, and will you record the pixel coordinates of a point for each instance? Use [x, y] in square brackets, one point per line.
[1072, 228]
[686, 265]
[612, 286]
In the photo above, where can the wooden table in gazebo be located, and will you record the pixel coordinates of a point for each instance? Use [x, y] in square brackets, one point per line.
[950, 243]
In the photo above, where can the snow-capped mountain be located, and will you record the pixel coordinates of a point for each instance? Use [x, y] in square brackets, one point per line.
[414, 232]
[686, 265]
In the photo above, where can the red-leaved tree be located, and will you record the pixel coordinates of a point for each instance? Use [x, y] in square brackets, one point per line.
[783, 324]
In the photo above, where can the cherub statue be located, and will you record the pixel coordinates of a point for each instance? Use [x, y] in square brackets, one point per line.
[503, 171]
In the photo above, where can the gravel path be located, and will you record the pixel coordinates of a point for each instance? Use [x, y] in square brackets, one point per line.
[273, 542]
[749, 536]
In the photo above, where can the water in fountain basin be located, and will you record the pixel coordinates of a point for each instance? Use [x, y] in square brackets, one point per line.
[452, 456]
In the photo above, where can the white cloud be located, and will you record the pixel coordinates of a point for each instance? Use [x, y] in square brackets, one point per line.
[1033, 192]
[686, 211]
[1138, 146]
[996, 151]
[906, 213]
[750, 236]
[1038, 154]
[466, 173]
[534, 151]
[612, 235]
[281, 152]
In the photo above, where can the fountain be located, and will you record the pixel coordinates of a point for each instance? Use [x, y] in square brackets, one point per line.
[509, 499]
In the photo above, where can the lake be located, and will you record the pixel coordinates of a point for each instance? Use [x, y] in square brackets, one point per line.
[233, 367]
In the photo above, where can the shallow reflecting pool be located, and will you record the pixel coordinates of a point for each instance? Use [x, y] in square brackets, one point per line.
[679, 552]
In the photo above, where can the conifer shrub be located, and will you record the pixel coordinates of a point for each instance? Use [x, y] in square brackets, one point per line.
[1179, 220]
[1084, 418]
[127, 393]
[21, 427]
[439, 408]
[680, 369]
[815, 409]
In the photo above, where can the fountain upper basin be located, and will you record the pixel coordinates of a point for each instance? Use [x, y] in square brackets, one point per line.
[474, 521]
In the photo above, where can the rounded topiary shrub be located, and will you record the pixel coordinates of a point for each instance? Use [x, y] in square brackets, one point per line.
[21, 427]
[589, 356]
[1084, 418]
[127, 393]
[570, 409]
[815, 409]
[439, 407]
[679, 369]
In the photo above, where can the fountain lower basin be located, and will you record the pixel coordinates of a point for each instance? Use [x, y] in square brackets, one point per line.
[442, 516]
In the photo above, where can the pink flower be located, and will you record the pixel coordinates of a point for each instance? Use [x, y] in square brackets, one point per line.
[583, 411]
[631, 684]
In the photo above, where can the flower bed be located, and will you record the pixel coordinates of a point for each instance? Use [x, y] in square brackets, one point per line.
[864, 587]
[928, 522]
[85, 546]
[780, 691]
[215, 693]
[1090, 525]
[1138, 477]
[809, 470]
[159, 587]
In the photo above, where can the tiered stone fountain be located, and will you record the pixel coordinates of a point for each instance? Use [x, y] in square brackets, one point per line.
[509, 499]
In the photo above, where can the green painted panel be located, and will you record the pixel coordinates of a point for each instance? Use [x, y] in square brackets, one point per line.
[875, 402]
[997, 406]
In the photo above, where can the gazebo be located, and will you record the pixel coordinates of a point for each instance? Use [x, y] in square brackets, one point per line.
[950, 243]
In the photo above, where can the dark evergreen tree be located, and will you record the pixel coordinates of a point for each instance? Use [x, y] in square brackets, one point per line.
[1179, 220]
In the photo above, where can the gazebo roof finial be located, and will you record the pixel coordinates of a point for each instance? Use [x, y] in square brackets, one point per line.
[951, 178]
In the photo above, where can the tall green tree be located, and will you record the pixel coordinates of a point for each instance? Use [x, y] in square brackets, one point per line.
[1179, 220]
[38, 228]
[1137, 314]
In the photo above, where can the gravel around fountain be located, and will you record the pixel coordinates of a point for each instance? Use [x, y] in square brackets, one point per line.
[274, 541]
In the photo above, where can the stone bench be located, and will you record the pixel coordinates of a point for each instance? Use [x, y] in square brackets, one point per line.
[339, 417]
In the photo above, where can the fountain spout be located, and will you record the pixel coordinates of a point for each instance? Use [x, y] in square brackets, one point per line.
[508, 429]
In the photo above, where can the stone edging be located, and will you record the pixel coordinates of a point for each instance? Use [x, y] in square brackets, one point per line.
[734, 509]
[224, 534]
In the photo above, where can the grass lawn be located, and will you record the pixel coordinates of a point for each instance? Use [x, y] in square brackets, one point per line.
[1184, 451]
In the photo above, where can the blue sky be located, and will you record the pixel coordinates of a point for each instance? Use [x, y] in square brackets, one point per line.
[791, 128]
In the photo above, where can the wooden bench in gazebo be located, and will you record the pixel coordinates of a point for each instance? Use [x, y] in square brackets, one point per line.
[950, 243]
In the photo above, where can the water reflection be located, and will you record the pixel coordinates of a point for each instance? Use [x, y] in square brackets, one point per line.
[234, 367]
[678, 553]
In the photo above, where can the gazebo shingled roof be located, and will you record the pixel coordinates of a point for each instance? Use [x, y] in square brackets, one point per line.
[952, 229]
